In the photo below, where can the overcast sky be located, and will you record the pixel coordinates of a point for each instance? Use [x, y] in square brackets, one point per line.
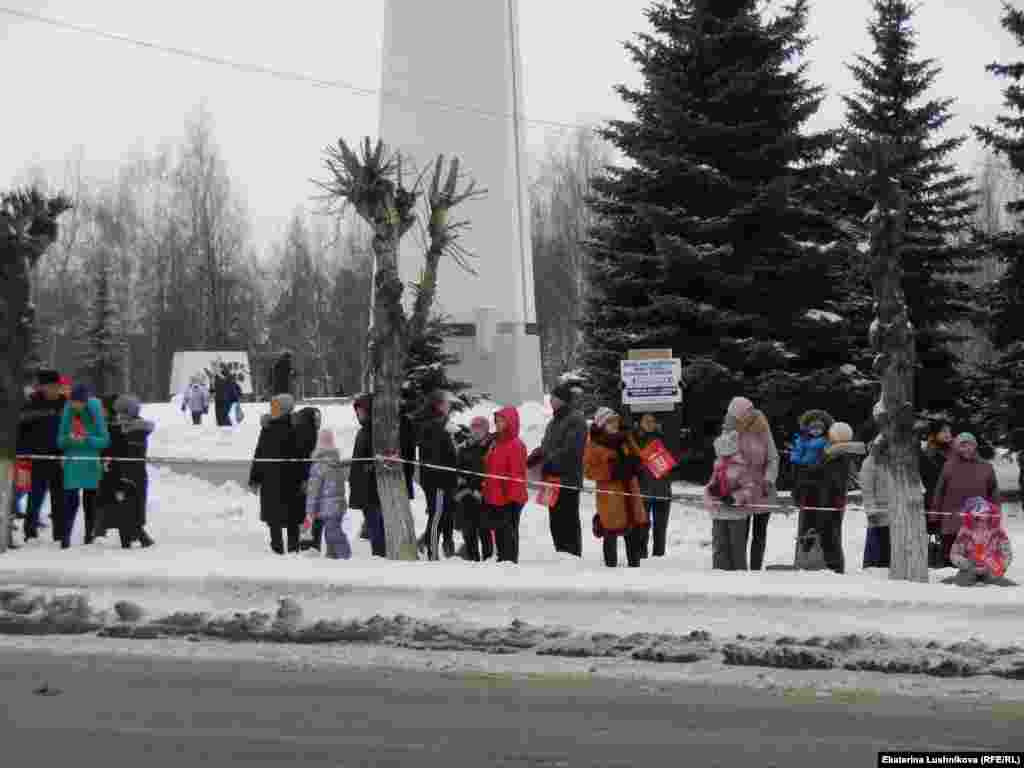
[64, 88]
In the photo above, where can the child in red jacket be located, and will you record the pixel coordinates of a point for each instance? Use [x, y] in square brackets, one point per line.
[504, 490]
[982, 548]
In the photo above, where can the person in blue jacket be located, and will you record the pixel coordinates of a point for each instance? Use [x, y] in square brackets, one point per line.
[82, 436]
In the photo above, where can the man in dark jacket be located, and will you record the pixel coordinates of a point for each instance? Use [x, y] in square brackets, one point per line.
[362, 479]
[561, 455]
[279, 484]
[932, 460]
[37, 434]
[437, 448]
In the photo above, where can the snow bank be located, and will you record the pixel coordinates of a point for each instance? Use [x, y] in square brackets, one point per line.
[209, 539]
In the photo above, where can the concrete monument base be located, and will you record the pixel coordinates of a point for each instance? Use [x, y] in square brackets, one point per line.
[499, 360]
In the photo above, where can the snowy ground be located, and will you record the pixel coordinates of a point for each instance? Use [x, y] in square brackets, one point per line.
[212, 554]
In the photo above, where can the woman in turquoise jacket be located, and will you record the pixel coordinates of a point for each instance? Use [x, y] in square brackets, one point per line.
[82, 437]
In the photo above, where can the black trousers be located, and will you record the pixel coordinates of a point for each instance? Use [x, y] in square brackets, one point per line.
[47, 476]
[220, 408]
[658, 512]
[277, 538]
[729, 544]
[566, 531]
[197, 418]
[507, 534]
[447, 523]
[758, 539]
[71, 502]
[635, 538]
[478, 539]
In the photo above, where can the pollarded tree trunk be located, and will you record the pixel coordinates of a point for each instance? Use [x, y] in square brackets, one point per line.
[388, 366]
[892, 337]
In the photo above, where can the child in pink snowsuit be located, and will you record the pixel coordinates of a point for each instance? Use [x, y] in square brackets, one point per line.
[982, 548]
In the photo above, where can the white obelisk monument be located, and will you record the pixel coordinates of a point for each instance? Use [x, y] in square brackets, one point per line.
[452, 85]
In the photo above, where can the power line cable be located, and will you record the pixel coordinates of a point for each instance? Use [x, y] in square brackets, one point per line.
[278, 73]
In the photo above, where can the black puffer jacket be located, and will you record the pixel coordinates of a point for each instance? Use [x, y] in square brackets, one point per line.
[307, 427]
[437, 447]
[38, 424]
[561, 450]
[280, 484]
[362, 478]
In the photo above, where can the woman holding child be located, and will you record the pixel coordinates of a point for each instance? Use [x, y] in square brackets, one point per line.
[745, 473]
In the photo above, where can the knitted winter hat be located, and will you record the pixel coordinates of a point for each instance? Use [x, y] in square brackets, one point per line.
[128, 405]
[564, 392]
[325, 441]
[840, 432]
[80, 393]
[739, 407]
[966, 437]
[603, 416]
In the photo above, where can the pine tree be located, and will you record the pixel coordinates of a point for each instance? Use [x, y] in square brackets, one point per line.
[714, 241]
[891, 108]
[1002, 395]
[104, 342]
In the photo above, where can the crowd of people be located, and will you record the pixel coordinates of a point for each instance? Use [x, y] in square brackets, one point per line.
[961, 500]
[99, 448]
[478, 485]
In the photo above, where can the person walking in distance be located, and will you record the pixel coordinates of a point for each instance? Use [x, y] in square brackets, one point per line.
[560, 456]
[504, 488]
[196, 401]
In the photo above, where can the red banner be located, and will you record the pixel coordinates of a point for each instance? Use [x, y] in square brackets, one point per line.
[657, 459]
[547, 496]
[23, 475]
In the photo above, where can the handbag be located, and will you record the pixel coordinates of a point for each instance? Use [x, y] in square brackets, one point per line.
[810, 555]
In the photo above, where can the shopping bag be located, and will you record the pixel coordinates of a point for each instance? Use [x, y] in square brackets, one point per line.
[23, 475]
[657, 459]
[810, 555]
[547, 496]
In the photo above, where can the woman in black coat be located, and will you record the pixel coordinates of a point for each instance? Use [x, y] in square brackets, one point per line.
[124, 488]
[279, 484]
[307, 428]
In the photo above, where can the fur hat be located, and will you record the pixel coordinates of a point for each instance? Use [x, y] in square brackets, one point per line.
[603, 416]
[739, 407]
[565, 393]
[727, 443]
[480, 421]
[840, 432]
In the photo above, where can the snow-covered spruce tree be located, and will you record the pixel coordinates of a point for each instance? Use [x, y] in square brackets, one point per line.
[103, 340]
[1002, 396]
[891, 107]
[713, 241]
[28, 226]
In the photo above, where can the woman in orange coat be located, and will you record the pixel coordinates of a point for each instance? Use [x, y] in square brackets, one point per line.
[609, 462]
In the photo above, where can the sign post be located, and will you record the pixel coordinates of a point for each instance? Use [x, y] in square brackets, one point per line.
[652, 383]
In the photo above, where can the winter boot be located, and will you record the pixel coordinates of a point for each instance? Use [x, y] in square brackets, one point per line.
[144, 538]
[448, 547]
[364, 532]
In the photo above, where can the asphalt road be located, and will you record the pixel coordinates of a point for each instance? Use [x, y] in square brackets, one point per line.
[154, 712]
